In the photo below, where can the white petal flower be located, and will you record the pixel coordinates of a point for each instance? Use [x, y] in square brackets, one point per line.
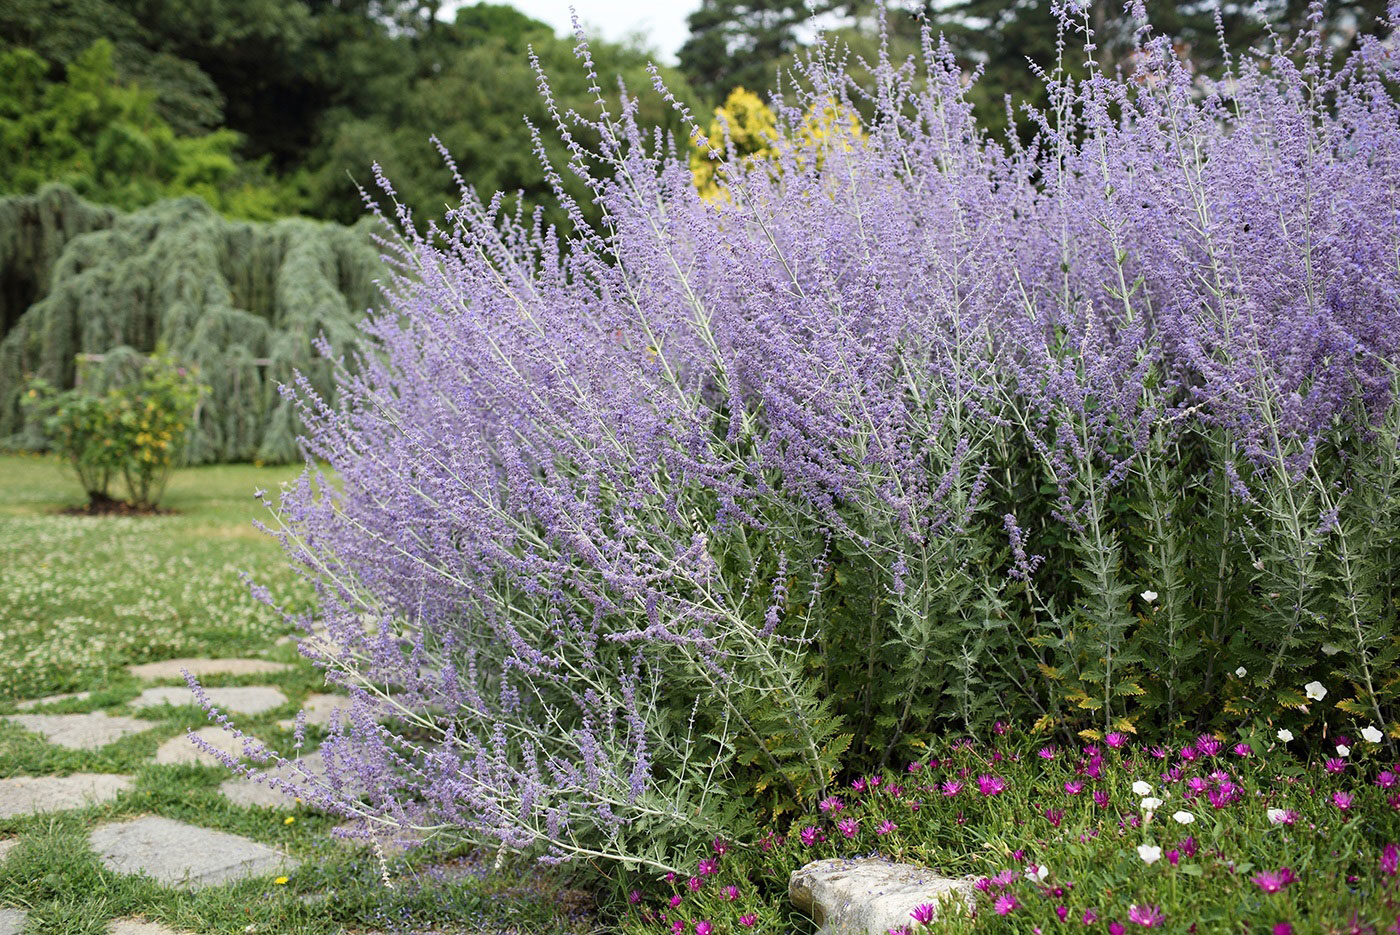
[1183, 818]
[1285, 735]
[1343, 750]
[1036, 873]
[1151, 804]
[1371, 734]
[1141, 788]
[1241, 672]
[1150, 853]
[1149, 596]
[1331, 649]
[1315, 691]
[1276, 815]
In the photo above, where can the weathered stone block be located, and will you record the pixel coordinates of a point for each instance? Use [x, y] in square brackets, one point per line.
[869, 897]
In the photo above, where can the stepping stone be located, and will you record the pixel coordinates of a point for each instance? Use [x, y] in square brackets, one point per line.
[90, 731]
[7, 845]
[320, 709]
[176, 668]
[53, 699]
[186, 856]
[29, 795]
[254, 699]
[181, 750]
[12, 921]
[240, 790]
[870, 897]
[138, 927]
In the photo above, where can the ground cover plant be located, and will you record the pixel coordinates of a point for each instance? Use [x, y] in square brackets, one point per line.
[83, 596]
[657, 531]
[1249, 835]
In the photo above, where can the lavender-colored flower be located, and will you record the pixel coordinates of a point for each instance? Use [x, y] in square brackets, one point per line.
[924, 913]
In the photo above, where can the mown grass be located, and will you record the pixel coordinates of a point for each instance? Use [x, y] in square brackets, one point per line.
[81, 598]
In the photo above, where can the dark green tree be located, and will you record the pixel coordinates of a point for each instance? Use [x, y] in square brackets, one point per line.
[739, 43]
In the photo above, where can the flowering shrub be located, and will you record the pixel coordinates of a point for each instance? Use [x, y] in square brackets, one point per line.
[1204, 835]
[644, 532]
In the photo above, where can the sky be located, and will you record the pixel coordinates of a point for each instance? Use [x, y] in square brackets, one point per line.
[662, 21]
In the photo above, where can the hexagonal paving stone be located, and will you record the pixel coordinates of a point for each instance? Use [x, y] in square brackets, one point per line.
[138, 927]
[52, 699]
[177, 854]
[181, 749]
[176, 668]
[28, 795]
[319, 710]
[253, 699]
[11, 921]
[90, 731]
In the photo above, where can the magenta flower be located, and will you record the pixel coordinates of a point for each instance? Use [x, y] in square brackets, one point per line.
[886, 827]
[1062, 912]
[848, 827]
[678, 927]
[695, 883]
[634, 897]
[923, 914]
[703, 927]
[999, 728]
[1283, 928]
[1208, 745]
[708, 866]
[1089, 917]
[1101, 798]
[1390, 860]
[1159, 753]
[915, 766]
[731, 892]
[1272, 881]
[675, 900]
[1074, 787]
[858, 785]
[1005, 904]
[1243, 749]
[748, 920]
[721, 848]
[1387, 779]
[1149, 917]
[1335, 764]
[1046, 753]
[1116, 928]
[1054, 816]
[1115, 739]
[1343, 800]
[991, 785]
[951, 787]
[809, 836]
[830, 804]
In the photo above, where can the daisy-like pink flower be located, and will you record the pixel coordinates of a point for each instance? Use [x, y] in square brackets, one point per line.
[1343, 800]
[1272, 881]
[678, 927]
[675, 900]
[1243, 749]
[915, 766]
[695, 883]
[1054, 816]
[1149, 917]
[923, 914]
[1101, 798]
[1189, 753]
[1089, 917]
[950, 787]
[1335, 764]
[830, 804]
[1116, 928]
[1115, 739]
[1000, 728]
[1387, 779]
[1074, 787]
[731, 892]
[708, 866]
[1158, 753]
[721, 848]
[991, 785]
[848, 827]
[1282, 928]
[1209, 745]
[748, 920]
[1046, 753]
[809, 835]
[703, 927]
[1390, 860]
[886, 827]
[1005, 904]
[858, 785]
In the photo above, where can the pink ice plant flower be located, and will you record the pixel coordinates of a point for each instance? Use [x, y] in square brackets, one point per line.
[848, 827]
[748, 920]
[1272, 881]
[1390, 860]
[708, 866]
[1147, 916]
[1074, 787]
[951, 787]
[1005, 904]
[703, 927]
[1343, 800]
[991, 785]
[886, 827]
[923, 914]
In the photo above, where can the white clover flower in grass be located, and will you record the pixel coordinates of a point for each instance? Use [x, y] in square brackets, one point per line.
[1371, 735]
[1241, 672]
[1285, 735]
[1141, 788]
[1150, 853]
[1183, 818]
[1151, 804]
[1149, 596]
[1315, 691]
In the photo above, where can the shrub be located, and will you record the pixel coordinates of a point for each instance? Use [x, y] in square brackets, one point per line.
[638, 536]
[81, 428]
[1229, 834]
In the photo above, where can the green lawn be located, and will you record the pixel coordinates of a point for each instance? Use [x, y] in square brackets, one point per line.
[83, 597]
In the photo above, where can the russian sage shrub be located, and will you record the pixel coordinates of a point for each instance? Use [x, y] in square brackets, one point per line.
[637, 533]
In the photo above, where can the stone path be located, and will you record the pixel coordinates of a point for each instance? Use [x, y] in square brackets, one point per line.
[177, 854]
[320, 710]
[11, 921]
[28, 795]
[248, 792]
[252, 699]
[90, 731]
[176, 668]
[181, 749]
[138, 927]
[33, 703]
[7, 845]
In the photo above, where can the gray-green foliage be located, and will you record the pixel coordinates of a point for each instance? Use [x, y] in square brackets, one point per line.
[217, 294]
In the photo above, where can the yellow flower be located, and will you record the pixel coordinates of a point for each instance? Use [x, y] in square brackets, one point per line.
[289, 819]
[280, 881]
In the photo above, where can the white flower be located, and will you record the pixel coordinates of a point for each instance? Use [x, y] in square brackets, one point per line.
[1371, 734]
[1241, 672]
[1343, 750]
[1315, 691]
[1276, 815]
[1141, 788]
[1150, 853]
[1151, 804]
[1036, 873]
[1285, 735]
[1183, 818]
[1149, 596]
[1331, 649]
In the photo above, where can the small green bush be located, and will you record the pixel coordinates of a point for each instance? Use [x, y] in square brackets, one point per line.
[137, 428]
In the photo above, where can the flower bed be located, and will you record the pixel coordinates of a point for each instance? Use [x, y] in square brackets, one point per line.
[1247, 833]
